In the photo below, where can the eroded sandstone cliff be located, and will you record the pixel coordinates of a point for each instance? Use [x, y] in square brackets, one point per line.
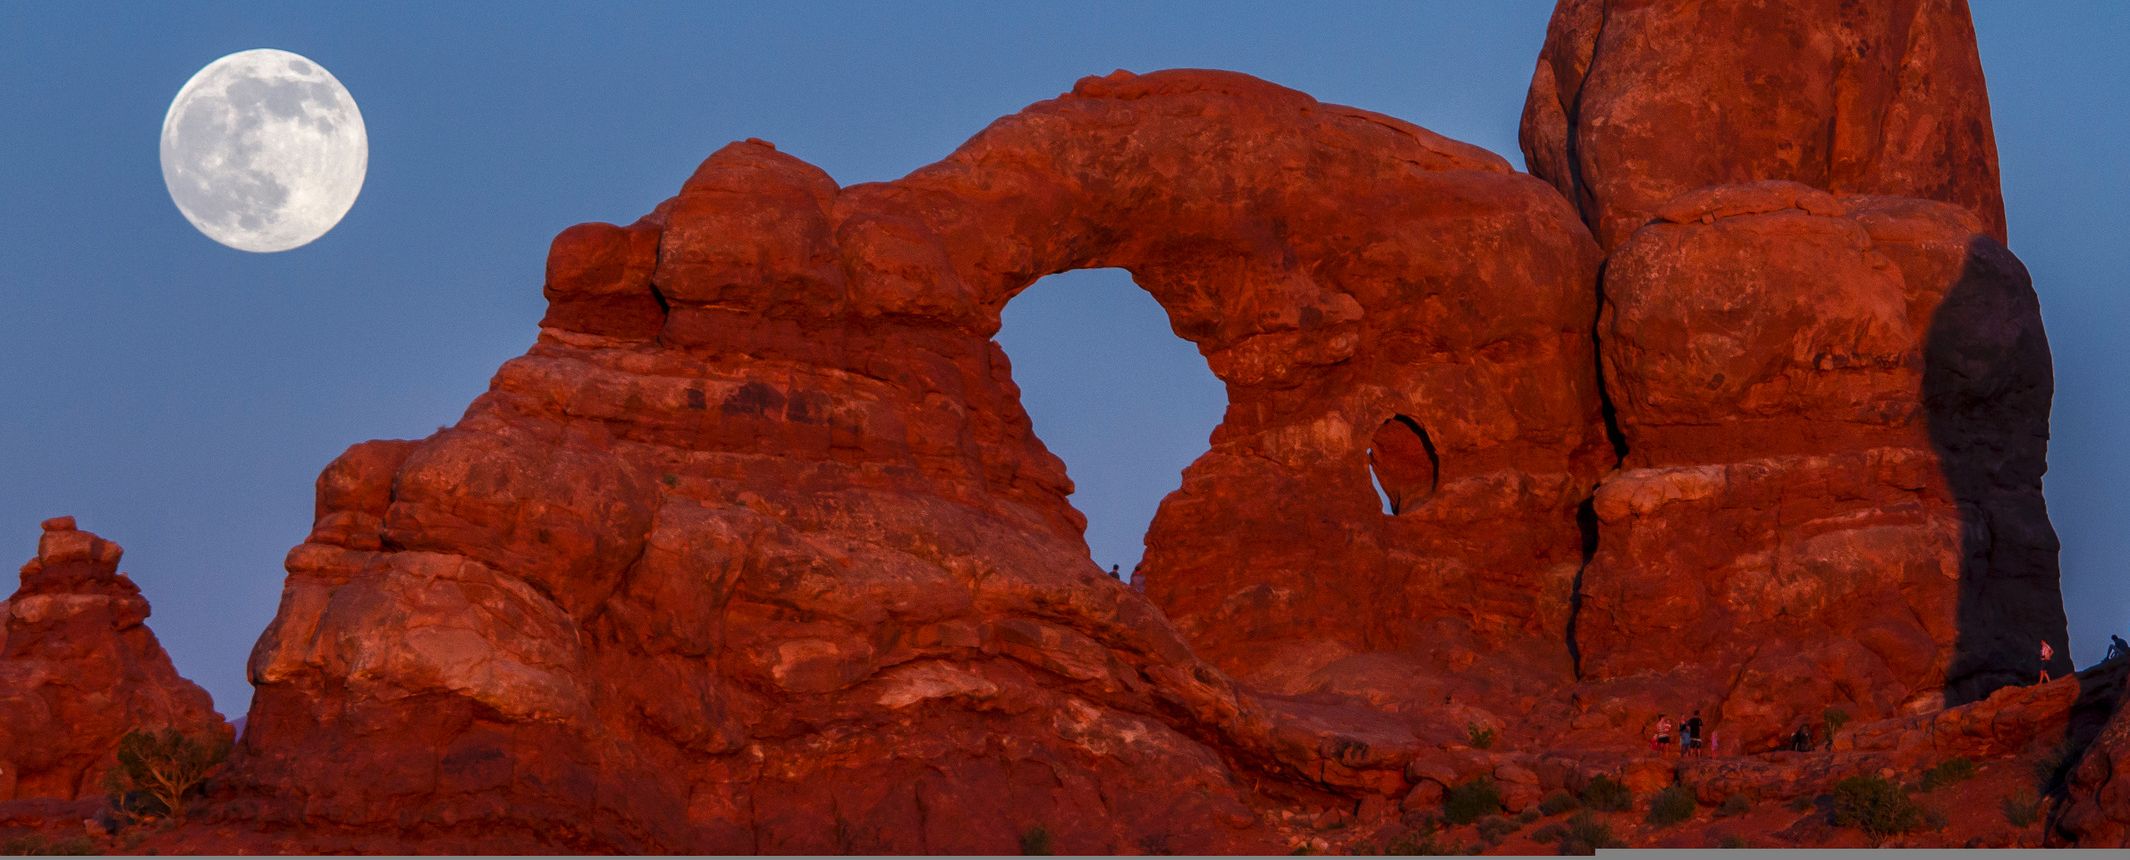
[79, 668]
[1635, 103]
[755, 550]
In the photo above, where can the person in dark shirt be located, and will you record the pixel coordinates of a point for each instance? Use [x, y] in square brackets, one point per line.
[1690, 735]
[1802, 740]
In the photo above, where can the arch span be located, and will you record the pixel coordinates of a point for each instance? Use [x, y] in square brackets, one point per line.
[1333, 266]
[764, 490]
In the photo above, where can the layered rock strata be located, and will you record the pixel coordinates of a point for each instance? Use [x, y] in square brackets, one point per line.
[79, 668]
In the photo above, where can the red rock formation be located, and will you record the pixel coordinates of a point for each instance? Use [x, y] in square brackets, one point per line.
[79, 668]
[1635, 103]
[1835, 412]
[755, 551]
[2096, 811]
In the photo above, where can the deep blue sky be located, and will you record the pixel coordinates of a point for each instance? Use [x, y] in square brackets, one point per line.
[180, 397]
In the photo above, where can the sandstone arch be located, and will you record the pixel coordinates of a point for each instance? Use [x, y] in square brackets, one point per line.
[763, 486]
[755, 550]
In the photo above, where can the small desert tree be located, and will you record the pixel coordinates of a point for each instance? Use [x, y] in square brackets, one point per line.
[158, 770]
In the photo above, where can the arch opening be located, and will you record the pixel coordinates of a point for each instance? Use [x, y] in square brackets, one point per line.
[1403, 464]
[1114, 392]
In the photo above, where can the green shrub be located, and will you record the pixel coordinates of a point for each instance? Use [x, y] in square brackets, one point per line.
[1583, 834]
[1527, 816]
[1035, 840]
[1802, 803]
[1606, 794]
[1947, 772]
[1736, 804]
[1836, 718]
[2049, 768]
[1671, 806]
[1933, 819]
[1732, 842]
[1495, 828]
[1480, 736]
[1467, 802]
[1557, 803]
[2022, 810]
[1876, 806]
[32, 844]
[158, 771]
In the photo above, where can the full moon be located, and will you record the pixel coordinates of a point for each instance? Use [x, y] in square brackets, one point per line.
[264, 150]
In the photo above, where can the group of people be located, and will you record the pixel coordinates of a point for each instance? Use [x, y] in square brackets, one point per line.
[1691, 740]
[2117, 649]
[1801, 740]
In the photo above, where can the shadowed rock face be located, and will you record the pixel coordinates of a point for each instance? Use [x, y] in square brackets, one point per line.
[1832, 407]
[1835, 411]
[79, 668]
[1636, 102]
[2096, 811]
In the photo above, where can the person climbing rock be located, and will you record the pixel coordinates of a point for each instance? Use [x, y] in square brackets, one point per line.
[1801, 741]
[2116, 648]
[1662, 736]
[1690, 735]
[2046, 653]
[1113, 572]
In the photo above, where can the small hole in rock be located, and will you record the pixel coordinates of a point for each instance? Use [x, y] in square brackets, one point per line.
[1403, 464]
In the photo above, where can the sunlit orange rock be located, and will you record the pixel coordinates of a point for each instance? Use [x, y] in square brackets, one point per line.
[79, 668]
[755, 550]
[1634, 103]
[1835, 418]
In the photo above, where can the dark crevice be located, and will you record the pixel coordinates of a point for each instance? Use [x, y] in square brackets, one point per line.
[1612, 425]
[1434, 458]
[1584, 199]
[1606, 410]
[665, 308]
[1586, 520]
